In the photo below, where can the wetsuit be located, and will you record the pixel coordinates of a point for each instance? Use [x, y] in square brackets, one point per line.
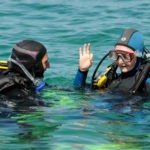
[17, 91]
[123, 83]
[14, 85]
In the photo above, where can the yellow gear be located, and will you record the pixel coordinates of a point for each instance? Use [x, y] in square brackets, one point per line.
[102, 81]
[102, 78]
[3, 64]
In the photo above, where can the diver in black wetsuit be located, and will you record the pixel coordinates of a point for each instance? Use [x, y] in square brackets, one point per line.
[23, 74]
[130, 55]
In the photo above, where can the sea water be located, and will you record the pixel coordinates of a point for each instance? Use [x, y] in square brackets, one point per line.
[74, 119]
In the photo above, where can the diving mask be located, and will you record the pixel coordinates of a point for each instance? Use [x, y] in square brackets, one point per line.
[125, 56]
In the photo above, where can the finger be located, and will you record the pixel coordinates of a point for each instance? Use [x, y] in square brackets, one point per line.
[88, 48]
[80, 51]
[84, 48]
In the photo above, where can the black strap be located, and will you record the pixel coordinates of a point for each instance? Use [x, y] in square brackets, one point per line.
[142, 76]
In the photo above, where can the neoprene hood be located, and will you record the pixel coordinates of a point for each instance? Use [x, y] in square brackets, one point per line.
[29, 53]
[132, 39]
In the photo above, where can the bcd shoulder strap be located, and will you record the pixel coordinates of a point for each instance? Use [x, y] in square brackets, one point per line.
[6, 80]
[142, 75]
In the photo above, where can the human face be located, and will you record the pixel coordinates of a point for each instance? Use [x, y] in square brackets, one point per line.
[125, 66]
[45, 62]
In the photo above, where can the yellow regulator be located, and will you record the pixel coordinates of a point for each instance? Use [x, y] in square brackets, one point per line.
[101, 79]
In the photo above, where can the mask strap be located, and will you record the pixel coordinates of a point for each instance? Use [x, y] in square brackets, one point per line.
[37, 82]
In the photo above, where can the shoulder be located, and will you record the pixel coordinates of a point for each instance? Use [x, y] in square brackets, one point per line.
[10, 80]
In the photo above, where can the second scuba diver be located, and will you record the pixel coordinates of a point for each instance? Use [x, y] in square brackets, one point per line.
[130, 55]
[22, 75]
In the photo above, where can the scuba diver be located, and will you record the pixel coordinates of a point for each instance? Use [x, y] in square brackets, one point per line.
[129, 55]
[22, 75]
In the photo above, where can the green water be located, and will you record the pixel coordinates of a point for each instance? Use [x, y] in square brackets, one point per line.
[74, 120]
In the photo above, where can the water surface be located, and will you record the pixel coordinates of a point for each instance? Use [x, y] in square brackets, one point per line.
[76, 120]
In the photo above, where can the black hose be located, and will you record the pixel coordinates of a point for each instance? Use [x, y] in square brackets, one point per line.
[95, 71]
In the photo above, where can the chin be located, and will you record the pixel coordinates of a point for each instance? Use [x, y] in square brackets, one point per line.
[124, 70]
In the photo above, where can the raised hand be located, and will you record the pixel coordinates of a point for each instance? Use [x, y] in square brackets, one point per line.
[86, 58]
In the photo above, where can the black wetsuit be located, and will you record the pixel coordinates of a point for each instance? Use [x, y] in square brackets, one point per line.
[14, 85]
[125, 82]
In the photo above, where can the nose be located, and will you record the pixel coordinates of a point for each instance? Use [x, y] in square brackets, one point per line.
[120, 60]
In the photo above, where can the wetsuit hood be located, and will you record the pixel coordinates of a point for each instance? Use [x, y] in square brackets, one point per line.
[29, 53]
[133, 39]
